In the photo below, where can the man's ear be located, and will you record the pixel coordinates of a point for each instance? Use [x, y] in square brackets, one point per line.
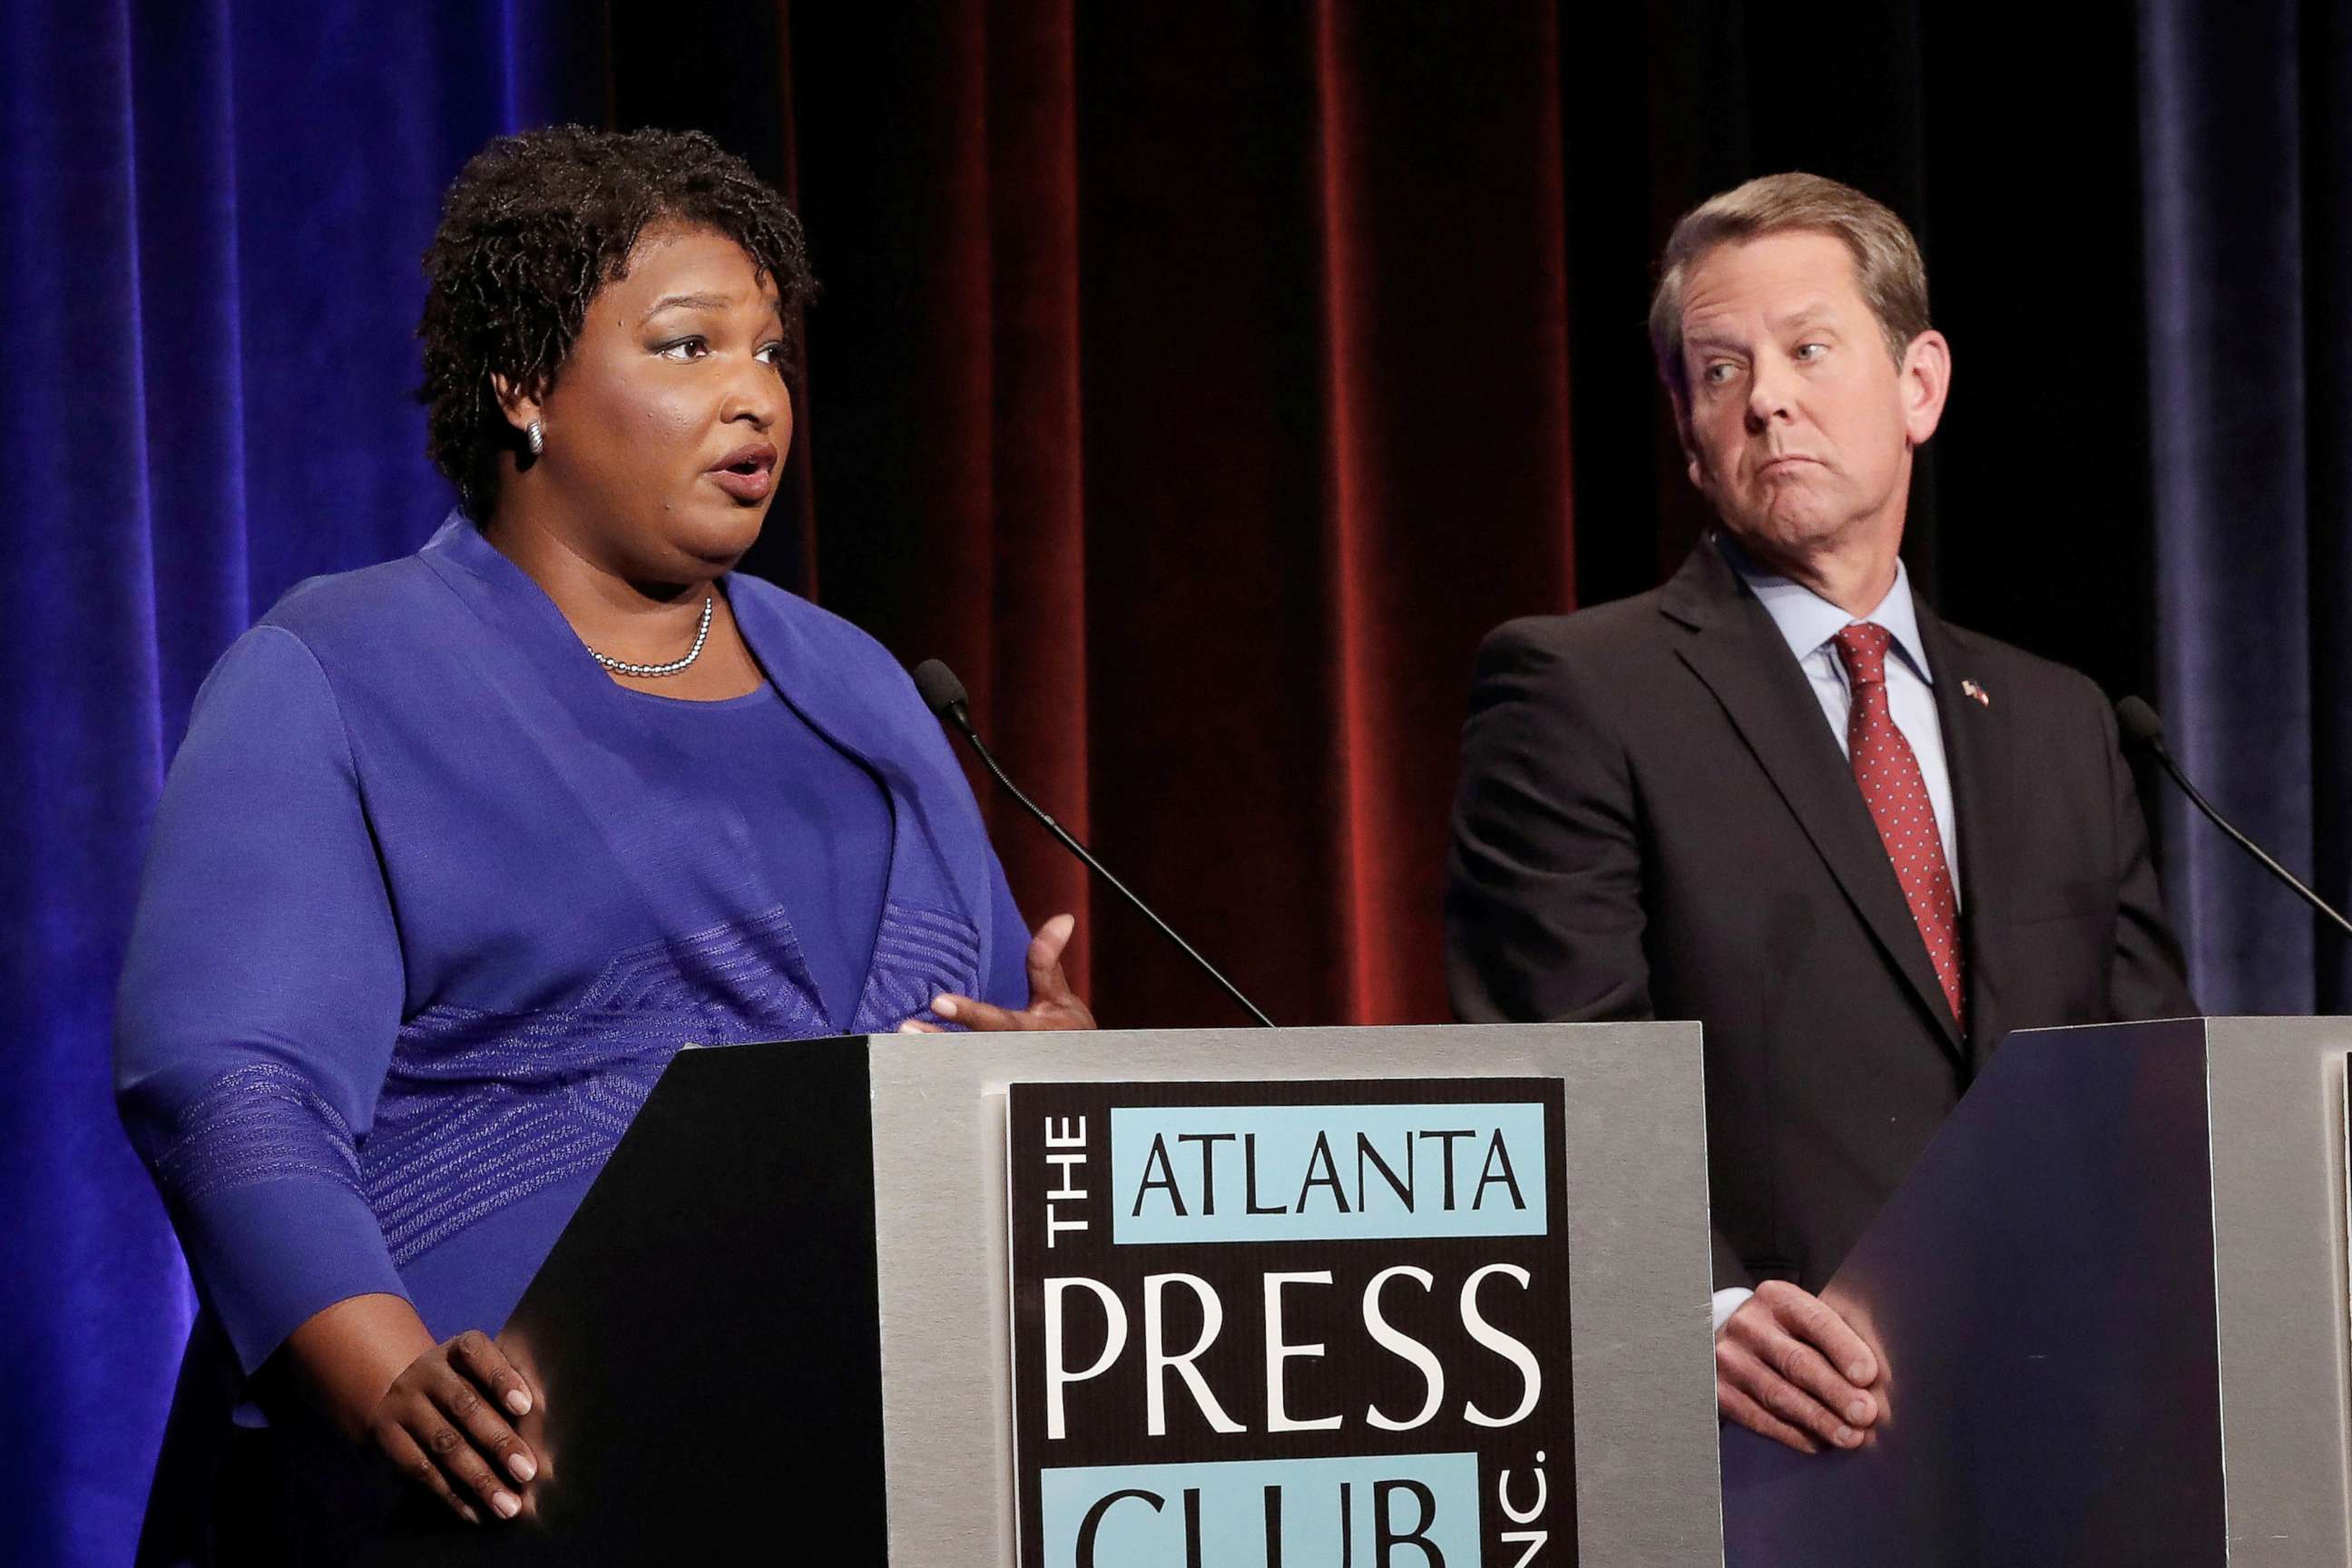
[521, 407]
[1926, 377]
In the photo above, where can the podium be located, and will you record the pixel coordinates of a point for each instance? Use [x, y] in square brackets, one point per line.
[2111, 1301]
[777, 1327]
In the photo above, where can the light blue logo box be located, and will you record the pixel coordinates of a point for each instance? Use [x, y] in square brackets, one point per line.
[1132, 1533]
[1280, 1141]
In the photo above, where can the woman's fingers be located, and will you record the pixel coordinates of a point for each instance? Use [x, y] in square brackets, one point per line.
[465, 1405]
[411, 1461]
[1065, 1011]
[1051, 1003]
[477, 1355]
[974, 1013]
[1047, 980]
[443, 1433]
[441, 1423]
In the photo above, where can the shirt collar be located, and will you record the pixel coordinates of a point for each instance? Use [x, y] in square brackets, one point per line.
[1807, 620]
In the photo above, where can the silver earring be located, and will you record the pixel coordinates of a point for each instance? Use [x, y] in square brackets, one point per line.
[535, 436]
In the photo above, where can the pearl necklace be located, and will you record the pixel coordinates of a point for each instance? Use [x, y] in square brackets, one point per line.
[623, 667]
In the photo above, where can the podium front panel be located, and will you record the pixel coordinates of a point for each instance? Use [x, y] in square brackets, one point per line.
[2275, 1087]
[2112, 1302]
[1638, 1256]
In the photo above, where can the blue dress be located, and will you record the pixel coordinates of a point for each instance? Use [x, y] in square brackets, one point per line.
[432, 900]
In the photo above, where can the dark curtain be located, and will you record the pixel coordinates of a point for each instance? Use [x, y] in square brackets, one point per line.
[2247, 116]
[1201, 382]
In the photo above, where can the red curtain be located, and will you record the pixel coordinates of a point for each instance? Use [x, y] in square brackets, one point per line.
[1148, 390]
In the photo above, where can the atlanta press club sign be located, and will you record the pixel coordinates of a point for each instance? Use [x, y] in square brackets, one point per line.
[1291, 1325]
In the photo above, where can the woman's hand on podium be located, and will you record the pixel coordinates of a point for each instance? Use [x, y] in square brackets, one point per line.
[443, 1422]
[1051, 1003]
[438, 1413]
[1788, 1367]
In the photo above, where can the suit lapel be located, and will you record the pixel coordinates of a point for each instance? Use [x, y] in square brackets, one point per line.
[1737, 651]
[1976, 752]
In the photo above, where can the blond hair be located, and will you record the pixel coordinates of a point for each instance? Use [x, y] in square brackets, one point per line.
[1886, 261]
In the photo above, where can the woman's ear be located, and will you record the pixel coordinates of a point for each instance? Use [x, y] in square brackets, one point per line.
[523, 416]
[520, 407]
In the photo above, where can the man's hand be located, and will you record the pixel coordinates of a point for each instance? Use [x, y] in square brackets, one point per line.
[1051, 1003]
[1787, 1366]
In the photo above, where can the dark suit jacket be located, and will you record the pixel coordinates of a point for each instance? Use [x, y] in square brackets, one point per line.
[1656, 821]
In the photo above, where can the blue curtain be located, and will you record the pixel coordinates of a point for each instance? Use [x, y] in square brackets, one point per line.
[214, 215]
[2246, 117]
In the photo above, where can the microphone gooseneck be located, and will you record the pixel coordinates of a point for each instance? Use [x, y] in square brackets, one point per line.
[946, 697]
[2143, 728]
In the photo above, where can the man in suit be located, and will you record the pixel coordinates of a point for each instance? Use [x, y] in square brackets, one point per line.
[1781, 797]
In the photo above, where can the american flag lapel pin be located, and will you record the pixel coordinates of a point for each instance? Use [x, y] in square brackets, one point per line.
[1971, 688]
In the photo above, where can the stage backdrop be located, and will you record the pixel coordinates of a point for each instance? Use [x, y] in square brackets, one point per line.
[1202, 381]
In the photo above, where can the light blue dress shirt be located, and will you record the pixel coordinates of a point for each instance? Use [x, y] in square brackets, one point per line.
[1807, 623]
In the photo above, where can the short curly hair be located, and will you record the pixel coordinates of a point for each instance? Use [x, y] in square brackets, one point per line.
[530, 228]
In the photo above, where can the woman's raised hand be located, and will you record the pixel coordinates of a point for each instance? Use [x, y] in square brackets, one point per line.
[1051, 1003]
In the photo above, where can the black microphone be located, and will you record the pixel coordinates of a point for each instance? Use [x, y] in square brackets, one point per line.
[946, 697]
[2145, 730]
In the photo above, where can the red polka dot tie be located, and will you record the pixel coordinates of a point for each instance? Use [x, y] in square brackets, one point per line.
[1897, 793]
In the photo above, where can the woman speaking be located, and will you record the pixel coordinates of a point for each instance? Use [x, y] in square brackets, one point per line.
[461, 849]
